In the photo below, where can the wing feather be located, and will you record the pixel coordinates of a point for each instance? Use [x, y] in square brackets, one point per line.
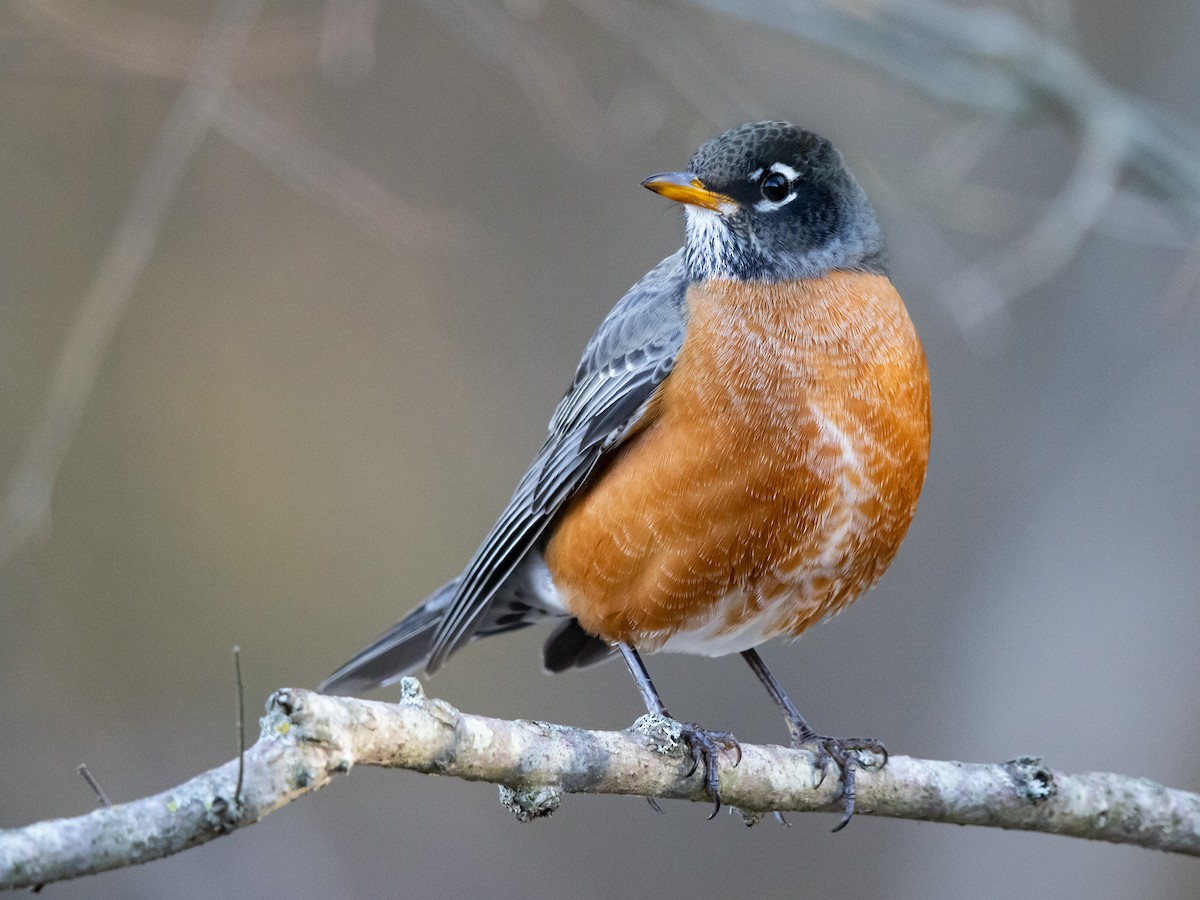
[626, 360]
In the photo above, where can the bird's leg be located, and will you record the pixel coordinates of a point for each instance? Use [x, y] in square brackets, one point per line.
[704, 745]
[840, 750]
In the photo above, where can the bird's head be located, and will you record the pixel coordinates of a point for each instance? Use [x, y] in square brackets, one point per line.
[768, 201]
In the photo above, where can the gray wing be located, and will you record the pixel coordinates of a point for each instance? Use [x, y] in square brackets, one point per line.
[630, 354]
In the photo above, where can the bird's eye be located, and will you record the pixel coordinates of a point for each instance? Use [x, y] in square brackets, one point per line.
[774, 186]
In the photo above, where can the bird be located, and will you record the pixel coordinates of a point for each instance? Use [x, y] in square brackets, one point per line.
[739, 454]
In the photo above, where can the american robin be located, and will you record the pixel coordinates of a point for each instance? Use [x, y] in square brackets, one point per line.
[739, 454]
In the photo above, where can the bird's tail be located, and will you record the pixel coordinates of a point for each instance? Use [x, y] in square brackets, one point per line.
[526, 597]
[399, 652]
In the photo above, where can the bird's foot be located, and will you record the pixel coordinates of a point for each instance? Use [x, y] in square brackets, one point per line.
[847, 755]
[704, 746]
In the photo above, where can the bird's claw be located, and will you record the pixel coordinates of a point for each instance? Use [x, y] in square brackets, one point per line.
[705, 747]
[845, 754]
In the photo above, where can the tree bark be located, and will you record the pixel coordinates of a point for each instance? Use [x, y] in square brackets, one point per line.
[307, 738]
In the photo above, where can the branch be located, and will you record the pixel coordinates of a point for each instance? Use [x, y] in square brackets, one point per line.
[307, 738]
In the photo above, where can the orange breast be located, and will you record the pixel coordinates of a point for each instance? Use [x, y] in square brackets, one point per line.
[777, 474]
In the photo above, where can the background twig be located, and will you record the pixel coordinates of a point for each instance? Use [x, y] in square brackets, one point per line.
[26, 509]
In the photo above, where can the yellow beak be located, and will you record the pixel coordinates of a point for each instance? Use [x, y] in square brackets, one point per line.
[684, 187]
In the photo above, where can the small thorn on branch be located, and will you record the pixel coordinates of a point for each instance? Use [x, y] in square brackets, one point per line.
[241, 694]
[82, 769]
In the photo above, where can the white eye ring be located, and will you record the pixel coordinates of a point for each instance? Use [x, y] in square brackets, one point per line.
[760, 174]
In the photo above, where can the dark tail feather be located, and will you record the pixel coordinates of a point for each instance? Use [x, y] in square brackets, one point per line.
[515, 604]
[570, 647]
[401, 651]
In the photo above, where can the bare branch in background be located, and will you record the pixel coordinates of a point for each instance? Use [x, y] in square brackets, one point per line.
[987, 59]
[143, 42]
[207, 102]
[307, 738]
[983, 290]
[551, 81]
[26, 509]
[667, 43]
[980, 58]
[306, 166]
[957, 153]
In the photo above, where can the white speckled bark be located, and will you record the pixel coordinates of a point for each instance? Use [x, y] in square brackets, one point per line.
[308, 738]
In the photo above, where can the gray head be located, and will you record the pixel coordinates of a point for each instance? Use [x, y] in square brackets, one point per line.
[768, 201]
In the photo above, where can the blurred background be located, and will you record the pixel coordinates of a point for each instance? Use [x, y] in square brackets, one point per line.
[289, 292]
